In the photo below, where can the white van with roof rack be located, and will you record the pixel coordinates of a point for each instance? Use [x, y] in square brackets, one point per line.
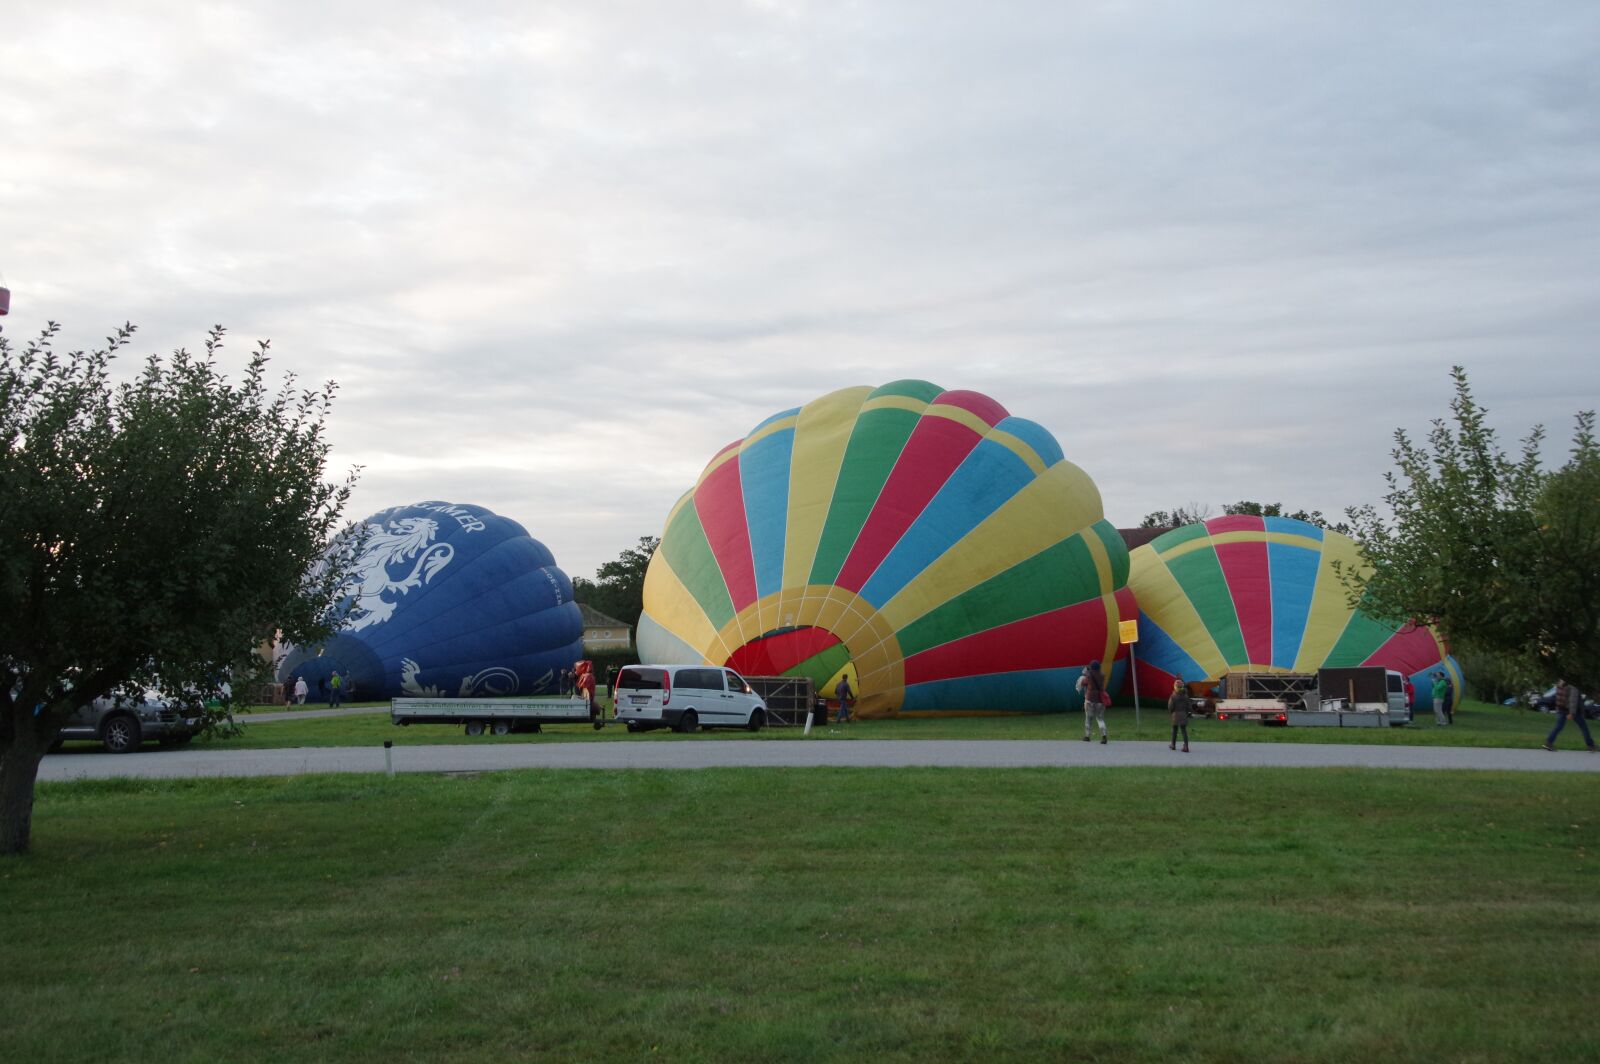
[685, 698]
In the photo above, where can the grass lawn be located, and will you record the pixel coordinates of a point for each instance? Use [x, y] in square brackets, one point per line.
[809, 914]
[1478, 724]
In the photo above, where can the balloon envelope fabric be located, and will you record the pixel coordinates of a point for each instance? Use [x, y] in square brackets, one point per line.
[924, 541]
[1264, 594]
[450, 600]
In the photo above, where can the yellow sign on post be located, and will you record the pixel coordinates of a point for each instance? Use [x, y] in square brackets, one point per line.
[1130, 631]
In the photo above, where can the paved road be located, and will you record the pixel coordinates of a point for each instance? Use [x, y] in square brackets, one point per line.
[861, 753]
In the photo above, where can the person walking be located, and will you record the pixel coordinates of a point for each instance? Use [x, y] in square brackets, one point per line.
[1178, 709]
[846, 698]
[301, 689]
[335, 690]
[1441, 696]
[1093, 685]
[1569, 703]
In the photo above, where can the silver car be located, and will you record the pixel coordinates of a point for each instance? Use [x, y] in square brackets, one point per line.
[121, 724]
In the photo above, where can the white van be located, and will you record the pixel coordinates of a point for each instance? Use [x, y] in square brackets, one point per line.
[686, 697]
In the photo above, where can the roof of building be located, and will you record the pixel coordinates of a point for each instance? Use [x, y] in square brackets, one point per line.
[1138, 537]
[593, 618]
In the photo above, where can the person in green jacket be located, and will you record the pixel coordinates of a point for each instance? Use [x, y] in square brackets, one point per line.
[335, 689]
[1441, 696]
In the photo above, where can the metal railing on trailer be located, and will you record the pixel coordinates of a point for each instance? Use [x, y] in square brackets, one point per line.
[789, 698]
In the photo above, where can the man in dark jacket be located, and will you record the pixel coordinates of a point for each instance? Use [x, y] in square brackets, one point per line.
[1569, 703]
[1178, 709]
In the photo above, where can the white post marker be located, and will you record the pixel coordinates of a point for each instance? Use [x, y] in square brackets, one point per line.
[1130, 635]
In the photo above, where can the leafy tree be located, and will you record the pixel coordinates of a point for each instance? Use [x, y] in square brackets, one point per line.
[1275, 509]
[1195, 511]
[1499, 552]
[1177, 516]
[152, 534]
[618, 587]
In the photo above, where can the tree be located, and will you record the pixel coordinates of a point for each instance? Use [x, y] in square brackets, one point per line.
[618, 587]
[1275, 509]
[1500, 553]
[1196, 511]
[1177, 516]
[152, 534]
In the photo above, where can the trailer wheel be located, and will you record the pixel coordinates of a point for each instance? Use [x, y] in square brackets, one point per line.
[501, 727]
[474, 727]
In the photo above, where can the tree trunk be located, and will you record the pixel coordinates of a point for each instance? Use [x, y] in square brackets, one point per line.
[19, 767]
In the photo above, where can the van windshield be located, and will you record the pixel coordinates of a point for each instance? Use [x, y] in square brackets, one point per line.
[641, 679]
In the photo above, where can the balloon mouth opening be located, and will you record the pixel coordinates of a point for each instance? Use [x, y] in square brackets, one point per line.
[802, 650]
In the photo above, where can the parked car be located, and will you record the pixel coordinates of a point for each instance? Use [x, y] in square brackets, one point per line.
[121, 724]
[686, 697]
[1546, 703]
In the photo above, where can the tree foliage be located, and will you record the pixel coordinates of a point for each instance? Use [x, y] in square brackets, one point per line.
[1195, 512]
[618, 587]
[1502, 554]
[153, 533]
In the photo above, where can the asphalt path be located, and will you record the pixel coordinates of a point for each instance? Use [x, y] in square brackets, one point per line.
[756, 753]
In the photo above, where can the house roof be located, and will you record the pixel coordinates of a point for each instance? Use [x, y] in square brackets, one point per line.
[593, 618]
[1138, 537]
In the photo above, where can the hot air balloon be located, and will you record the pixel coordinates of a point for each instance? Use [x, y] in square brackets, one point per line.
[449, 600]
[1264, 594]
[939, 552]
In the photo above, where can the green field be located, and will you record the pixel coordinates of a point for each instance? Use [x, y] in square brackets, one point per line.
[816, 914]
[1479, 724]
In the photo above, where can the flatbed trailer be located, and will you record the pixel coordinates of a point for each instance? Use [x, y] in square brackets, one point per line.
[1353, 697]
[495, 716]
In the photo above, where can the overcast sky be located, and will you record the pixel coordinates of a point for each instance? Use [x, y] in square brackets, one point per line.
[556, 255]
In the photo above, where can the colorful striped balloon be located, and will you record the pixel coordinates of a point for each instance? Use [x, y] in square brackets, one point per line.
[938, 551]
[1264, 594]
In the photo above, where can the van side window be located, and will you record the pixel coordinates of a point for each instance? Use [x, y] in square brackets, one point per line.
[640, 679]
[700, 679]
[736, 682]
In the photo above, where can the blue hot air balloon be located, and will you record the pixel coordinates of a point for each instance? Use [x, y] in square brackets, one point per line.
[449, 600]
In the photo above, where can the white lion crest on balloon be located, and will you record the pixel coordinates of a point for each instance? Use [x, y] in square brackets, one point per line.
[375, 591]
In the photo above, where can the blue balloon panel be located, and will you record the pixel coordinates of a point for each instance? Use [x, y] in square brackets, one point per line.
[448, 600]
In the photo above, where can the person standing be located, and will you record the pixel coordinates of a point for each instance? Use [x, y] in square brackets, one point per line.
[335, 689]
[846, 698]
[1093, 685]
[1178, 709]
[301, 689]
[1569, 703]
[1441, 695]
[586, 689]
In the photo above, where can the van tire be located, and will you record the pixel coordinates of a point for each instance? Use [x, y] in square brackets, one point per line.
[758, 720]
[689, 722]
